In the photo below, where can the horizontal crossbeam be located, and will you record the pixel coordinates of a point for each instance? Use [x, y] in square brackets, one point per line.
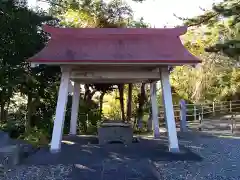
[101, 75]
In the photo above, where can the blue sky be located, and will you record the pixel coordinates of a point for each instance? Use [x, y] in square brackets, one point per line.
[160, 12]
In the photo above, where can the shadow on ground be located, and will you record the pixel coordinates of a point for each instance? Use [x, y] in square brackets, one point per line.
[85, 150]
[82, 158]
[89, 160]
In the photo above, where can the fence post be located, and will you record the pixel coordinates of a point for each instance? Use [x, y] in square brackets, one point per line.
[221, 109]
[183, 114]
[213, 108]
[87, 122]
[230, 106]
[232, 124]
[195, 113]
[200, 122]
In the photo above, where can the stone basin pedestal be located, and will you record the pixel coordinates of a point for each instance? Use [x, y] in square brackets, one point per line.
[115, 131]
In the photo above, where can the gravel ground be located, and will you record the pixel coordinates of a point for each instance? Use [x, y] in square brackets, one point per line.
[40, 172]
[220, 161]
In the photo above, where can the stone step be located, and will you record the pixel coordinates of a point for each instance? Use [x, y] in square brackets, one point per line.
[4, 139]
[12, 151]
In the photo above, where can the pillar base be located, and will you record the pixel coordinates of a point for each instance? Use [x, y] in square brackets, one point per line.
[156, 136]
[184, 130]
[174, 150]
[55, 151]
[71, 134]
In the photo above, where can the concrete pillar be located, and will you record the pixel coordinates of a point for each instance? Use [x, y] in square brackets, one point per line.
[168, 110]
[153, 94]
[60, 111]
[75, 108]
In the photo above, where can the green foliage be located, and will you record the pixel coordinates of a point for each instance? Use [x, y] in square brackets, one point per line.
[88, 120]
[94, 13]
[138, 24]
[111, 109]
[226, 17]
[210, 80]
[36, 137]
[22, 37]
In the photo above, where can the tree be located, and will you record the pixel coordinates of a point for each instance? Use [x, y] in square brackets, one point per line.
[22, 38]
[225, 16]
[129, 102]
[121, 99]
[103, 88]
[94, 13]
[210, 80]
[141, 101]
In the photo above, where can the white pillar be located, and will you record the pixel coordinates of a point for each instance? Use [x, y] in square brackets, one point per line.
[168, 110]
[60, 111]
[153, 93]
[75, 107]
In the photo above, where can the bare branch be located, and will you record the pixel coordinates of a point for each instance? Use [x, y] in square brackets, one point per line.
[204, 20]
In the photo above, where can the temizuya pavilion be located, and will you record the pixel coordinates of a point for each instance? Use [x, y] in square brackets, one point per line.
[114, 55]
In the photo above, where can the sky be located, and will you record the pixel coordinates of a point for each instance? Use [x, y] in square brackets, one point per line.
[159, 13]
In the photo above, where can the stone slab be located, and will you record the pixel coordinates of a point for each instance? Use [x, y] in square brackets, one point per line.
[9, 155]
[115, 133]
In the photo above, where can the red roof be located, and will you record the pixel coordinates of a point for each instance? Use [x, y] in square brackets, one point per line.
[115, 45]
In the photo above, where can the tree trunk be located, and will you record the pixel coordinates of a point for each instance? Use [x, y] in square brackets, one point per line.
[101, 103]
[121, 98]
[2, 112]
[129, 106]
[87, 91]
[7, 109]
[88, 95]
[150, 123]
[29, 113]
[3, 104]
[142, 98]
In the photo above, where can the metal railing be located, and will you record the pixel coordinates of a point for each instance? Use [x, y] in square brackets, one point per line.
[199, 113]
[210, 109]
